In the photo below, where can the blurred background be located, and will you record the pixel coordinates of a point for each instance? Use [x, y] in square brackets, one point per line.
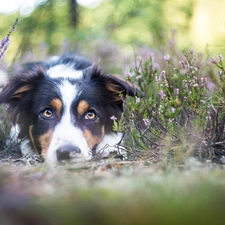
[110, 31]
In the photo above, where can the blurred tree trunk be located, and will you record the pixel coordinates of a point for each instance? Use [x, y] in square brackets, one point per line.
[73, 12]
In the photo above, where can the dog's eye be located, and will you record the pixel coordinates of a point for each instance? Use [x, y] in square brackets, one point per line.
[90, 115]
[47, 113]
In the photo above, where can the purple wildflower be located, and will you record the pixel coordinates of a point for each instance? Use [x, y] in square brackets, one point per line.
[162, 95]
[212, 60]
[163, 75]
[138, 60]
[177, 91]
[138, 100]
[167, 57]
[113, 117]
[5, 41]
[182, 63]
[129, 73]
[208, 117]
[173, 110]
[195, 78]
[220, 57]
[205, 143]
[146, 122]
[158, 80]
[138, 77]
[4, 46]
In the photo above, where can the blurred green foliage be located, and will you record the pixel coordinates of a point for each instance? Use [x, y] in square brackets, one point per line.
[49, 29]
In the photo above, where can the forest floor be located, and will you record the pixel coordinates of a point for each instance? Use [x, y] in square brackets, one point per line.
[112, 192]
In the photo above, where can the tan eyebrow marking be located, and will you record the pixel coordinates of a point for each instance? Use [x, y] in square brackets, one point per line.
[82, 107]
[57, 105]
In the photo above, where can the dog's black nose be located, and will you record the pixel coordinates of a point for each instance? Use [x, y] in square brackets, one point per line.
[67, 152]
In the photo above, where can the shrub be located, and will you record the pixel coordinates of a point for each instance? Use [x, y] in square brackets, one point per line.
[182, 111]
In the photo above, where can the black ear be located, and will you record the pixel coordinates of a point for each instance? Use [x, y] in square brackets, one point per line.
[114, 86]
[117, 86]
[22, 83]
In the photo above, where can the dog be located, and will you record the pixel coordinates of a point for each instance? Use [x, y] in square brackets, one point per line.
[64, 108]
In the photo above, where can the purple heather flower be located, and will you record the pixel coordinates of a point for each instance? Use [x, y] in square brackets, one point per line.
[167, 57]
[138, 77]
[205, 143]
[3, 51]
[177, 91]
[4, 46]
[138, 100]
[208, 116]
[195, 85]
[5, 41]
[195, 78]
[173, 110]
[129, 73]
[139, 59]
[158, 80]
[162, 94]
[182, 63]
[212, 60]
[163, 75]
[113, 117]
[146, 122]
[220, 57]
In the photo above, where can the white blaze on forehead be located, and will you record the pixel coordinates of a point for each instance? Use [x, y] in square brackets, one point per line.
[64, 71]
[68, 92]
[65, 133]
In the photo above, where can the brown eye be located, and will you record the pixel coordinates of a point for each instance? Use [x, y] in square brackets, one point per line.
[90, 115]
[47, 113]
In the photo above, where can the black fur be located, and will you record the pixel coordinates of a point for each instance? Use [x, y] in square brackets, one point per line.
[32, 88]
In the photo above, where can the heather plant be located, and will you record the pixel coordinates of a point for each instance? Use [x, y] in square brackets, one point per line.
[5, 41]
[218, 102]
[180, 113]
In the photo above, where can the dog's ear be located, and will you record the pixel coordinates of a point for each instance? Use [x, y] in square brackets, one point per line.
[115, 87]
[20, 84]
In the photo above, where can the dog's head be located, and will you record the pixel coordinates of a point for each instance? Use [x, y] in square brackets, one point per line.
[65, 107]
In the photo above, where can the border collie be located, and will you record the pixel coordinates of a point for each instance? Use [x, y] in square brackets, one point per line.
[63, 108]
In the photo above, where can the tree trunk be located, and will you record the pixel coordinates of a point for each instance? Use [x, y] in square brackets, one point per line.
[73, 13]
